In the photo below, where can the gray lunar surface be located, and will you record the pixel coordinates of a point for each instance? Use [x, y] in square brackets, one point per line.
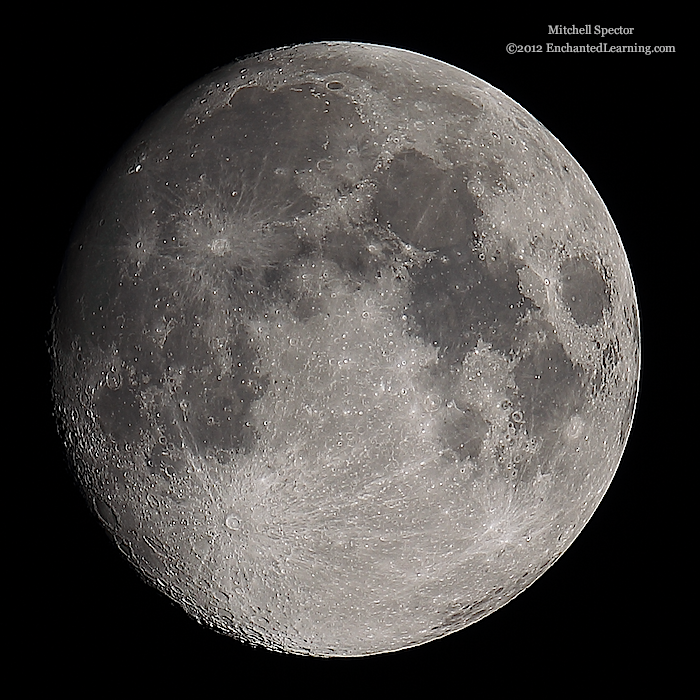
[346, 349]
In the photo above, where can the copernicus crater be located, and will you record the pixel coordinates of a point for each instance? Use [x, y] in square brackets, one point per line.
[345, 349]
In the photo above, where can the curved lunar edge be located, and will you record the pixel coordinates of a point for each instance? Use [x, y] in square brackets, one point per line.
[346, 349]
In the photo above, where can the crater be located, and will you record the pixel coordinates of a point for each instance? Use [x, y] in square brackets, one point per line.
[458, 301]
[119, 413]
[427, 207]
[160, 462]
[354, 251]
[584, 291]
[464, 431]
[549, 385]
[274, 137]
[219, 406]
[106, 514]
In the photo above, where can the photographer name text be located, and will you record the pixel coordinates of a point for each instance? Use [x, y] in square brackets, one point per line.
[589, 29]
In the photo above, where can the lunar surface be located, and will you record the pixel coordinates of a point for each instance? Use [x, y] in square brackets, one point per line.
[345, 348]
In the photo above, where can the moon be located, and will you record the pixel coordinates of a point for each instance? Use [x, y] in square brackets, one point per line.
[345, 350]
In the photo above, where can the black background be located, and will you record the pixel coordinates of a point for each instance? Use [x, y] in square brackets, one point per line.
[607, 610]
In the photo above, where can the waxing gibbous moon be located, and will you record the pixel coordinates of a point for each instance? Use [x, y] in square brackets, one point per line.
[345, 349]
